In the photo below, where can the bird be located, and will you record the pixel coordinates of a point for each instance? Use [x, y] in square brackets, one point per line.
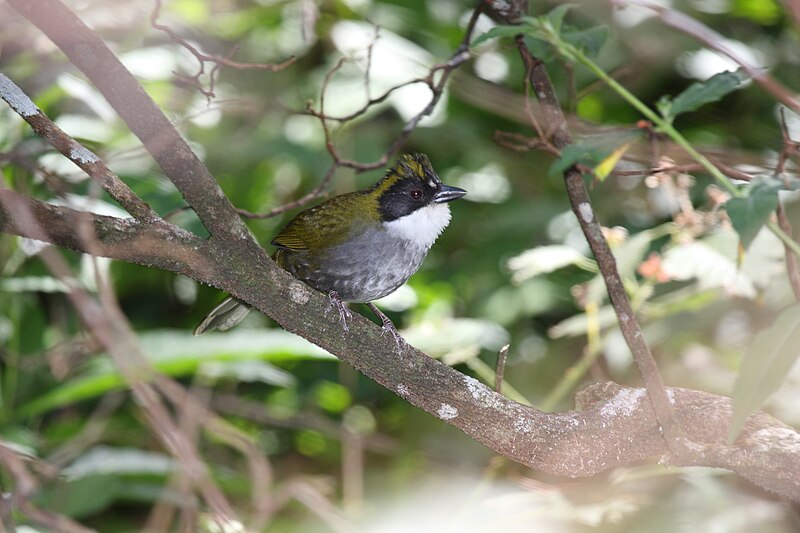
[360, 246]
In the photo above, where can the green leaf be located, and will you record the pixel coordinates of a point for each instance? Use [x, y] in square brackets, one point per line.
[607, 165]
[119, 461]
[545, 259]
[332, 397]
[749, 213]
[575, 153]
[498, 31]
[178, 353]
[590, 40]
[764, 367]
[591, 150]
[81, 497]
[701, 93]
[784, 183]
[540, 49]
[47, 284]
[557, 14]
[664, 106]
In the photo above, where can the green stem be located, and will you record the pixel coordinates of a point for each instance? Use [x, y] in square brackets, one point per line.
[594, 345]
[665, 126]
[660, 122]
[784, 237]
[574, 374]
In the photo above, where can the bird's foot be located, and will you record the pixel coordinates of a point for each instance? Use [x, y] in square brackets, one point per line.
[398, 340]
[341, 307]
[388, 326]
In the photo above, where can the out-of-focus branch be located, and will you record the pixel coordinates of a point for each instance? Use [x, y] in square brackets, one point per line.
[203, 58]
[444, 72]
[789, 147]
[793, 6]
[25, 486]
[110, 327]
[315, 193]
[106, 322]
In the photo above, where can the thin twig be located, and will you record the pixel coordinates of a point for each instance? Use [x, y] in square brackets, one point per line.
[89, 53]
[446, 69]
[203, 58]
[500, 369]
[368, 66]
[544, 138]
[318, 192]
[460, 55]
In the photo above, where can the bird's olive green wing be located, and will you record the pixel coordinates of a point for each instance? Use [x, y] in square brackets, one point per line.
[291, 237]
[328, 223]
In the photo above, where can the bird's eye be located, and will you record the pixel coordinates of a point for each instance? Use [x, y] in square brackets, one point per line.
[416, 194]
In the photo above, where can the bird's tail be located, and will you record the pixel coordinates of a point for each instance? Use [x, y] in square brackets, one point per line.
[224, 316]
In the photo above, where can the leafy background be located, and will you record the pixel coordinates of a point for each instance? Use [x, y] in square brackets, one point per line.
[512, 267]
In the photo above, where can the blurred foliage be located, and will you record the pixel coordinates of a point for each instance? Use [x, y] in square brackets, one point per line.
[511, 268]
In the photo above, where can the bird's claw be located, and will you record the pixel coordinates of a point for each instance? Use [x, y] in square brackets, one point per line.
[388, 325]
[398, 339]
[343, 310]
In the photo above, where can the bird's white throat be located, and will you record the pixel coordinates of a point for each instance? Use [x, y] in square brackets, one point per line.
[421, 227]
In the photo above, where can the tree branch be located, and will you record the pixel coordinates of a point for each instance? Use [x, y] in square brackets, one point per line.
[582, 206]
[203, 58]
[87, 51]
[75, 152]
[616, 430]
[164, 246]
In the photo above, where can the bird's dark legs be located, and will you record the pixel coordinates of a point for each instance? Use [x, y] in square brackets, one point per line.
[388, 326]
[344, 312]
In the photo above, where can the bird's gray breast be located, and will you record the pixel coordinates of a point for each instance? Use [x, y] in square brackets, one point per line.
[369, 265]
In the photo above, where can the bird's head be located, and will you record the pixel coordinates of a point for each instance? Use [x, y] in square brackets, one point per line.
[412, 200]
[411, 184]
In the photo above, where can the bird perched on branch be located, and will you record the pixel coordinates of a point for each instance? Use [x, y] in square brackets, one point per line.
[361, 246]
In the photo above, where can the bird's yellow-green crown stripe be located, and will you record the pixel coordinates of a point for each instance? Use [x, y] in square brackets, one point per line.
[408, 165]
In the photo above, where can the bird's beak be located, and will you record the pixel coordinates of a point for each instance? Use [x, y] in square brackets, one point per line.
[446, 193]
